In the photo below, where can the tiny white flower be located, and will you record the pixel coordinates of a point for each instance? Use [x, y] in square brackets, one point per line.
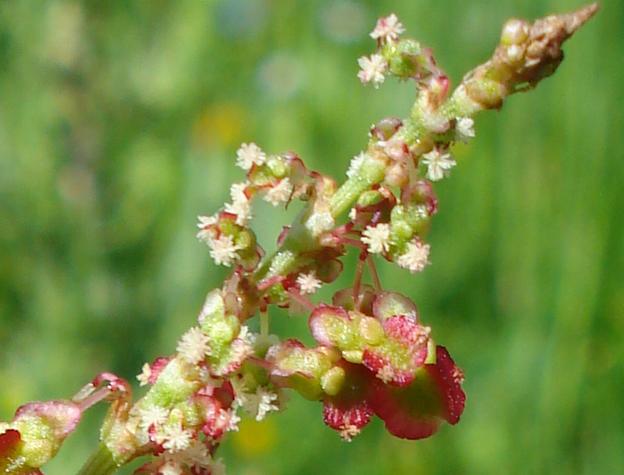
[175, 437]
[308, 283]
[416, 256]
[171, 468]
[356, 164]
[266, 403]
[465, 129]
[319, 222]
[377, 238]
[195, 454]
[217, 468]
[242, 210]
[249, 155]
[421, 211]
[152, 415]
[280, 193]
[193, 346]
[353, 214]
[246, 335]
[205, 222]
[388, 28]
[372, 69]
[258, 404]
[240, 350]
[146, 373]
[438, 164]
[240, 205]
[237, 192]
[233, 421]
[436, 122]
[348, 432]
[223, 250]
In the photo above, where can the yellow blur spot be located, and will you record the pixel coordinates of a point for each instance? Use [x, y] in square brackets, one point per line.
[219, 125]
[255, 438]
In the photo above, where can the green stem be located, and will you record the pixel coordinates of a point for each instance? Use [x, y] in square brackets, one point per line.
[299, 240]
[99, 463]
[371, 172]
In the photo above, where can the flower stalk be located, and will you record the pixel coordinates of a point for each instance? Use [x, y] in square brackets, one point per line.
[100, 463]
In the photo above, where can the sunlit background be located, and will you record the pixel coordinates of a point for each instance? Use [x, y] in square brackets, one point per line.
[119, 123]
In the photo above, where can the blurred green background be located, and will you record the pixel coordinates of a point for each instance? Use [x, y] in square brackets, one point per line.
[119, 123]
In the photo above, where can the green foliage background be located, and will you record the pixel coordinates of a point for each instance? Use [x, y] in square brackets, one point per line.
[119, 122]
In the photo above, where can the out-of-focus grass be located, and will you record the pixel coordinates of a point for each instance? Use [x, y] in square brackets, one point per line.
[118, 125]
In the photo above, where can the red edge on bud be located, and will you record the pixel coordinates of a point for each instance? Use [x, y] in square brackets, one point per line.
[9, 442]
[317, 326]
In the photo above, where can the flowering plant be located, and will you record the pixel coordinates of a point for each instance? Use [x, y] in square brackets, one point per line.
[374, 356]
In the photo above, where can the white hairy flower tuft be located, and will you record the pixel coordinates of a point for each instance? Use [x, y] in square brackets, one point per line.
[377, 238]
[193, 346]
[388, 29]
[242, 210]
[146, 373]
[372, 69]
[319, 222]
[465, 129]
[240, 205]
[175, 438]
[348, 432]
[237, 191]
[195, 454]
[438, 164]
[217, 468]
[249, 155]
[170, 468]
[152, 415]
[308, 283]
[205, 222]
[233, 421]
[280, 193]
[258, 404]
[416, 257]
[223, 250]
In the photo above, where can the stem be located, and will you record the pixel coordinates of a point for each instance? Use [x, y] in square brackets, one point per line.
[372, 172]
[374, 274]
[99, 463]
[264, 323]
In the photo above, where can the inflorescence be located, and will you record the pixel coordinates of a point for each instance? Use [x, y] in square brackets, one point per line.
[373, 356]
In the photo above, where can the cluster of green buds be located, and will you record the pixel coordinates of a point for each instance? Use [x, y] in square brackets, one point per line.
[373, 354]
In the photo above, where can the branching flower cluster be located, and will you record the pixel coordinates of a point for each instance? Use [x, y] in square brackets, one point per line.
[374, 356]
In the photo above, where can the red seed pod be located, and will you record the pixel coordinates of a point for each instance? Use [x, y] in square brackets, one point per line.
[415, 412]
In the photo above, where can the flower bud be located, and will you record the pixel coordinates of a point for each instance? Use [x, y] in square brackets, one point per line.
[386, 128]
[36, 434]
[515, 32]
